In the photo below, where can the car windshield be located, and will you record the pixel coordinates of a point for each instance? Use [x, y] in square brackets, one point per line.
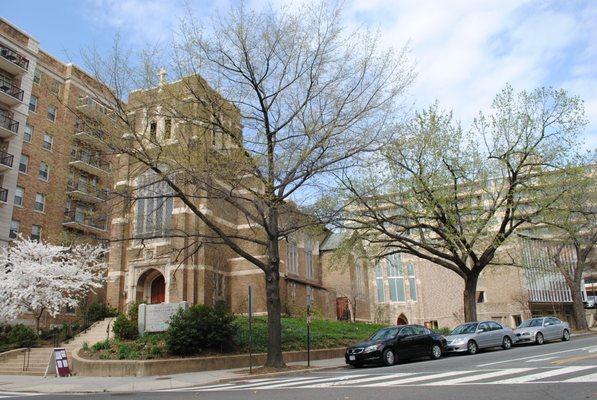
[464, 329]
[529, 323]
[384, 334]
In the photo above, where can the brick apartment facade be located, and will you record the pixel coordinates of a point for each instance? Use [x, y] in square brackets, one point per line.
[53, 180]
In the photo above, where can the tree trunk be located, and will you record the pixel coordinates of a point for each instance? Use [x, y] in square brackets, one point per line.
[274, 305]
[580, 318]
[470, 297]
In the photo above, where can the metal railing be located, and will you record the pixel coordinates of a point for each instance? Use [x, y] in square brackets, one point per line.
[11, 90]
[6, 159]
[90, 159]
[87, 188]
[86, 219]
[9, 123]
[14, 57]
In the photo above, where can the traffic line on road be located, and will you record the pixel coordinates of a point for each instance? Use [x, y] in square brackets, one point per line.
[574, 358]
[360, 380]
[538, 355]
[584, 378]
[418, 379]
[12, 395]
[312, 380]
[543, 375]
[255, 385]
[488, 375]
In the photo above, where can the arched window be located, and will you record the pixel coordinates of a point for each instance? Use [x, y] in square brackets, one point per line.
[395, 278]
[154, 206]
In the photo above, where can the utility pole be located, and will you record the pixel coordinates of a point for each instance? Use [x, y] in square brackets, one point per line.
[250, 314]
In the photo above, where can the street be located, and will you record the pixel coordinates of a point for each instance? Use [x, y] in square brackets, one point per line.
[559, 370]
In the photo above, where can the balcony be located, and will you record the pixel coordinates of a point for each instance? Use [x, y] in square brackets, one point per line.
[84, 221]
[90, 163]
[92, 138]
[3, 195]
[6, 161]
[85, 192]
[13, 62]
[9, 93]
[8, 127]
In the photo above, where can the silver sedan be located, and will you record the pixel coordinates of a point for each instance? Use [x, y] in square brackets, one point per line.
[472, 336]
[538, 330]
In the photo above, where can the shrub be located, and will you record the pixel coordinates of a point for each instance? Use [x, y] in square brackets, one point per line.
[124, 328]
[21, 336]
[443, 331]
[103, 345]
[97, 311]
[133, 312]
[200, 328]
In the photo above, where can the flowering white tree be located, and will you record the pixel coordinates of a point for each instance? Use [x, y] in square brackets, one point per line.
[39, 277]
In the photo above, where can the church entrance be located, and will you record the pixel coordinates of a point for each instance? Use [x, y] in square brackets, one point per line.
[158, 290]
[402, 320]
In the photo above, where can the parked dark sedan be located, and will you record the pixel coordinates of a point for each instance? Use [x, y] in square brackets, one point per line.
[388, 345]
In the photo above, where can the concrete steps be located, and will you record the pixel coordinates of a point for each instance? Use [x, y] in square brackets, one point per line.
[18, 362]
[95, 333]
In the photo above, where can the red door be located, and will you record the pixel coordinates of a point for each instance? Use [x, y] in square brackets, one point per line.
[158, 290]
[342, 310]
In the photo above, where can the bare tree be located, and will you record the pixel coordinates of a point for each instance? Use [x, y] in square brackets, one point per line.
[454, 197]
[267, 106]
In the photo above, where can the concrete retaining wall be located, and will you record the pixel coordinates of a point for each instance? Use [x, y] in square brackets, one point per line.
[86, 367]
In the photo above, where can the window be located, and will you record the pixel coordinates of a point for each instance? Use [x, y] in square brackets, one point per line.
[292, 290]
[28, 133]
[309, 258]
[154, 206]
[23, 163]
[167, 128]
[407, 331]
[381, 295]
[153, 128]
[37, 76]
[412, 281]
[481, 296]
[19, 196]
[15, 228]
[36, 233]
[292, 258]
[40, 202]
[33, 103]
[431, 324]
[395, 278]
[517, 319]
[494, 326]
[55, 87]
[484, 327]
[48, 141]
[359, 281]
[52, 113]
[44, 171]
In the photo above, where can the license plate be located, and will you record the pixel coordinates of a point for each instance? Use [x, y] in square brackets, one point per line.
[351, 358]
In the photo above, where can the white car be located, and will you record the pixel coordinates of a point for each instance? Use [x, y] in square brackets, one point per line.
[539, 330]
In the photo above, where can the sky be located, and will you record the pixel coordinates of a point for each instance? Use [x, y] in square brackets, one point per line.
[464, 51]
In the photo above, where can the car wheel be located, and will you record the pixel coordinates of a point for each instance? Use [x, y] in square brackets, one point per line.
[539, 339]
[506, 343]
[472, 347]
[566, 335]
[436, 352]
[388, 357]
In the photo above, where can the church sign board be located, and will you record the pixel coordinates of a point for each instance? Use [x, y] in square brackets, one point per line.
[156, 317]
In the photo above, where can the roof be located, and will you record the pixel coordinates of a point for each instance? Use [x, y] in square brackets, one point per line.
[332, 242]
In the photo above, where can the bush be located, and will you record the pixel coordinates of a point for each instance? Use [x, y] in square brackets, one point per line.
[21, 336]
[103, 345]
[200, 328]
[443, 331]
[133, 313]
[124, 328]
[97, 311]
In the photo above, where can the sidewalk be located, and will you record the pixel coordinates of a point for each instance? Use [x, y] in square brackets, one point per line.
[75, 384]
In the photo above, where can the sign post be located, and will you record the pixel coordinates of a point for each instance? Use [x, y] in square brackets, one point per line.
[309, 334]
[250, 313]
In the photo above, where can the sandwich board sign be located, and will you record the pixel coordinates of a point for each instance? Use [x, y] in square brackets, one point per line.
[60, 361]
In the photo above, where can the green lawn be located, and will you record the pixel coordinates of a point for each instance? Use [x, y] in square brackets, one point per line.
[324, 334]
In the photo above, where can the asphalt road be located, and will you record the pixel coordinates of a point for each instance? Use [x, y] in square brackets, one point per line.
[556, 370]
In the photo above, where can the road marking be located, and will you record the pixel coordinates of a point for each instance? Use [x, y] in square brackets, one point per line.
[296, 382]
[541, 375]
[6, 395]
[360, 380]
[584, 378]
[539, 355]
[418, 378]
[540, 359]
[255, 384]
[574, 358]
[465, 379]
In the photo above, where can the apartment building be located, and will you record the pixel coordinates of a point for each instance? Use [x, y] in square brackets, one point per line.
[53, 175]
[161, 251]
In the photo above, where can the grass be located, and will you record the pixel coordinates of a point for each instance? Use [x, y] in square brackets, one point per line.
[324, 334]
